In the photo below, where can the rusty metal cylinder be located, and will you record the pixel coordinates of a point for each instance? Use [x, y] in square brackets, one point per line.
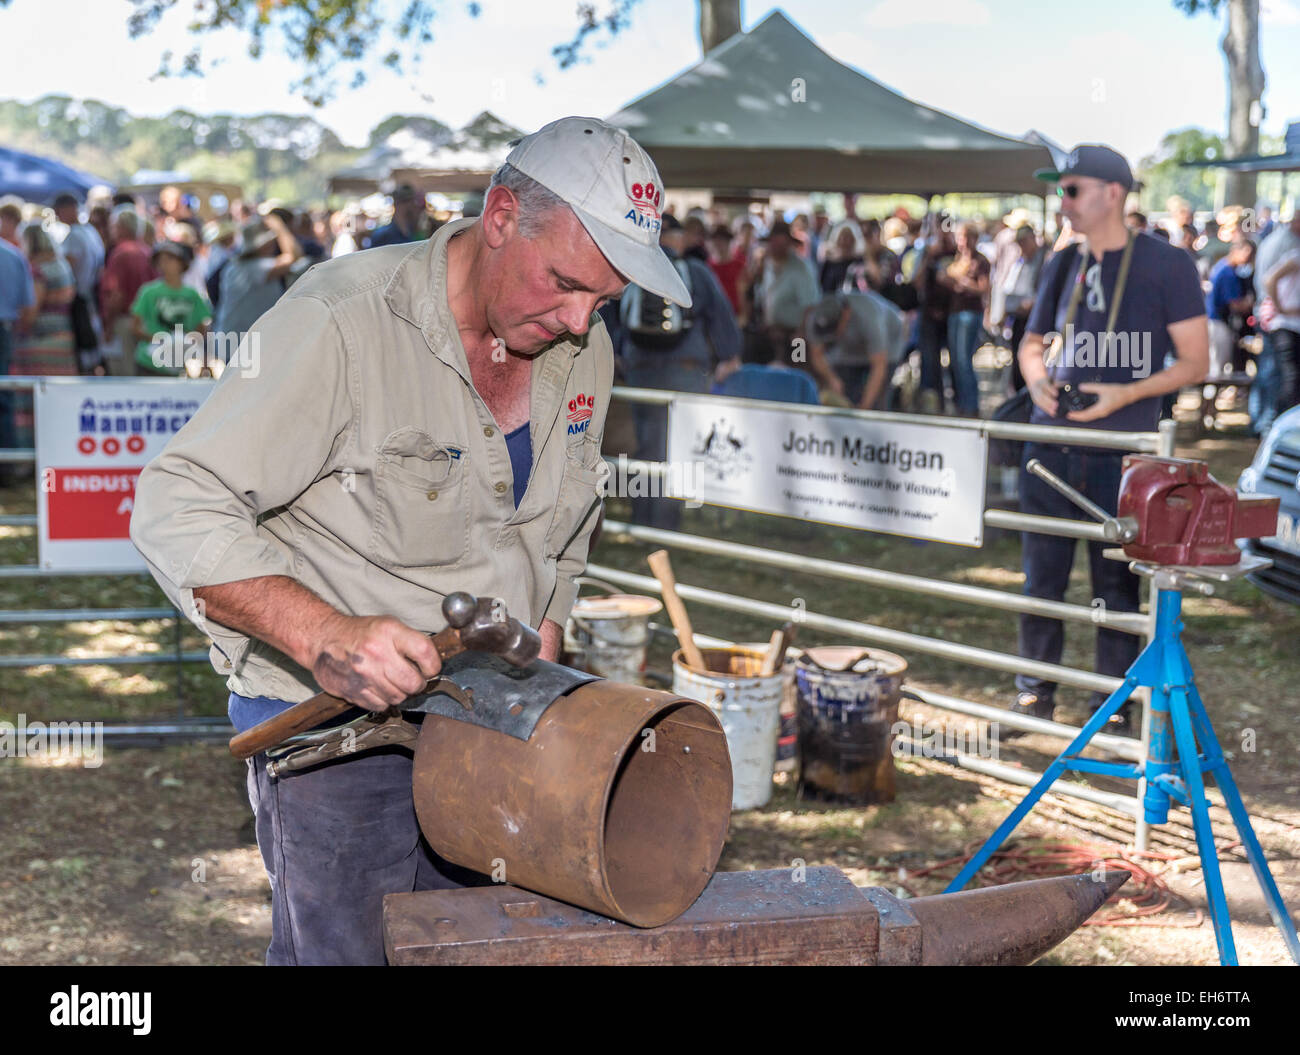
[618, 802]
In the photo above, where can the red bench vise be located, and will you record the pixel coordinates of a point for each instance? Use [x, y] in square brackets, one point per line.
[1185, 516]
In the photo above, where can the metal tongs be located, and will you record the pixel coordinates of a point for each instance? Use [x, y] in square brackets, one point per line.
[363, 733]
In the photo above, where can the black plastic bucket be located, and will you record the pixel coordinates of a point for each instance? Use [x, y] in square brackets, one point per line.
[846, 703]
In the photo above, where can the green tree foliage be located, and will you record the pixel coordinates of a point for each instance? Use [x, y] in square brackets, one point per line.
[1163, 175]
[277, 155]
[423, 126]
[333, 41]
[326, 38]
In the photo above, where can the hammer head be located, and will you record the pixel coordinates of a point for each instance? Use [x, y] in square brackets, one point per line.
[490, 628]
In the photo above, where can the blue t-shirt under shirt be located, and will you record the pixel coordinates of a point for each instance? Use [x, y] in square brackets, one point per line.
[520, 445]
[1163, 288]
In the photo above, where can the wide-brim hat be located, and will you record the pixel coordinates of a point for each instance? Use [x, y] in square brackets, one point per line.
[256, 236]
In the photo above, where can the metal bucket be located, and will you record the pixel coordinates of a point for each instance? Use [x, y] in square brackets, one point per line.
[618, 801]
[844, 722]
[748, 707]
[608, 635]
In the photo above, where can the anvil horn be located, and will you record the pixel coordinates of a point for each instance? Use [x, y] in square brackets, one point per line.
[1011, 924]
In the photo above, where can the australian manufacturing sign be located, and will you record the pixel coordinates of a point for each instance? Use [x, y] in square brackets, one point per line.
[918, 480]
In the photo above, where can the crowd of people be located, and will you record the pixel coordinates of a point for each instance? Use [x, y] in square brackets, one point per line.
[101, 287]
[828, 311]
[800, 310]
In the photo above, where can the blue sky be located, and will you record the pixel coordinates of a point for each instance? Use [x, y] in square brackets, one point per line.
[1118, 71]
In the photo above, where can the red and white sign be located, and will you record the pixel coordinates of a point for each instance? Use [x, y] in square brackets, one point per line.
[92, 440]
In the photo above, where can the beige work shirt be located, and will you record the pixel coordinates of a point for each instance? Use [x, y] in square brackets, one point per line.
[355, 456]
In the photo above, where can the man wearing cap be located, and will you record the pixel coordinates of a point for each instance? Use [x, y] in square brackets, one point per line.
[855, 339]
[425, 419]
[253, 282]
[163, 306]
[1113, 306]
[408, 211]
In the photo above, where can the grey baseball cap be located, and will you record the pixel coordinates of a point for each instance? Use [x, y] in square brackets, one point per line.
[613, 188]
[1095, 160]
[826, 317]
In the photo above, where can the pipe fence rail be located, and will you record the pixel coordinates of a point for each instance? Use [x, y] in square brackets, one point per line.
[180, 725]
[1139, 624]
[1161, 442]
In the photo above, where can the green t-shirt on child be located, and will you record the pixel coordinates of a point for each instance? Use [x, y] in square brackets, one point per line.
[161, 308]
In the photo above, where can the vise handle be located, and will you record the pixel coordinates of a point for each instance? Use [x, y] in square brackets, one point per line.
[1117, 529]
[480, 624]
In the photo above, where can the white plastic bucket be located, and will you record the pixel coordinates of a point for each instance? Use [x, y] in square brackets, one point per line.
[608, 635]
[748, 707]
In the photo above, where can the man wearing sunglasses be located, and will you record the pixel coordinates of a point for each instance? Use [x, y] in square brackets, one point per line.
[1107, 312]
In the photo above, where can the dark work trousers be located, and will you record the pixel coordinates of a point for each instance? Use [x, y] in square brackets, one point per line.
[335, 839]
[1286, 356]
[1263, 393]
[931, 337]
[1049, 558]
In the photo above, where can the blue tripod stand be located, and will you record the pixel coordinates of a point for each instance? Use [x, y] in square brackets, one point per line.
[1174, 766]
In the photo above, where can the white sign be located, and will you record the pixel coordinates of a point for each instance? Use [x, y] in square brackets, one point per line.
[917, 480]
[92, 440]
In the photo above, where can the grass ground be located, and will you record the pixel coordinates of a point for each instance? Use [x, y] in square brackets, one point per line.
[149, 857]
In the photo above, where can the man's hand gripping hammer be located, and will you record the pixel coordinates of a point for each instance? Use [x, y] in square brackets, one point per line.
[480, 625]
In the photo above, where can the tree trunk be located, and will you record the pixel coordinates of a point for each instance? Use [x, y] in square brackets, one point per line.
[1245, 88]
[720, 19]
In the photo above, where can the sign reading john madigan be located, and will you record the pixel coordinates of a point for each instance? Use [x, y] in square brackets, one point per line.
[92, 440]
[917, 480]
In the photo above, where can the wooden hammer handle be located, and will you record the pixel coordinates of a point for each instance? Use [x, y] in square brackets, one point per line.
[663, 571]
[320, 708]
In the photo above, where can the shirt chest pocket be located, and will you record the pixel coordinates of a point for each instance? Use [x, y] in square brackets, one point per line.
[421, 517]
[581, 489]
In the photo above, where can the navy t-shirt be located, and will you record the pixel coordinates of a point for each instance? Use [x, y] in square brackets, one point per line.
[1163, 288]
[520, 445]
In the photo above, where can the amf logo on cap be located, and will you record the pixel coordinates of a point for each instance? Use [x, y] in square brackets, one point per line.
[645, 200]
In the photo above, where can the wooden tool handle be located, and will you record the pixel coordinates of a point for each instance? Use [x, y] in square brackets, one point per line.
[776, 649]
[772, 657]
[663, 571]
[320, 708]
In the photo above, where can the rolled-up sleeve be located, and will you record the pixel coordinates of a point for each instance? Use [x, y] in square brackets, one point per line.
[270, 428]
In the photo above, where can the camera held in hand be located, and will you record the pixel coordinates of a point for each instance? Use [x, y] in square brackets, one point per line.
[1068, 398]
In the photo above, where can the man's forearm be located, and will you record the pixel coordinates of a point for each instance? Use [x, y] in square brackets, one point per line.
[821, 366]
[1171, 379]
[552, 637]
[1030, 355]
[274, 608]
[875, 382]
